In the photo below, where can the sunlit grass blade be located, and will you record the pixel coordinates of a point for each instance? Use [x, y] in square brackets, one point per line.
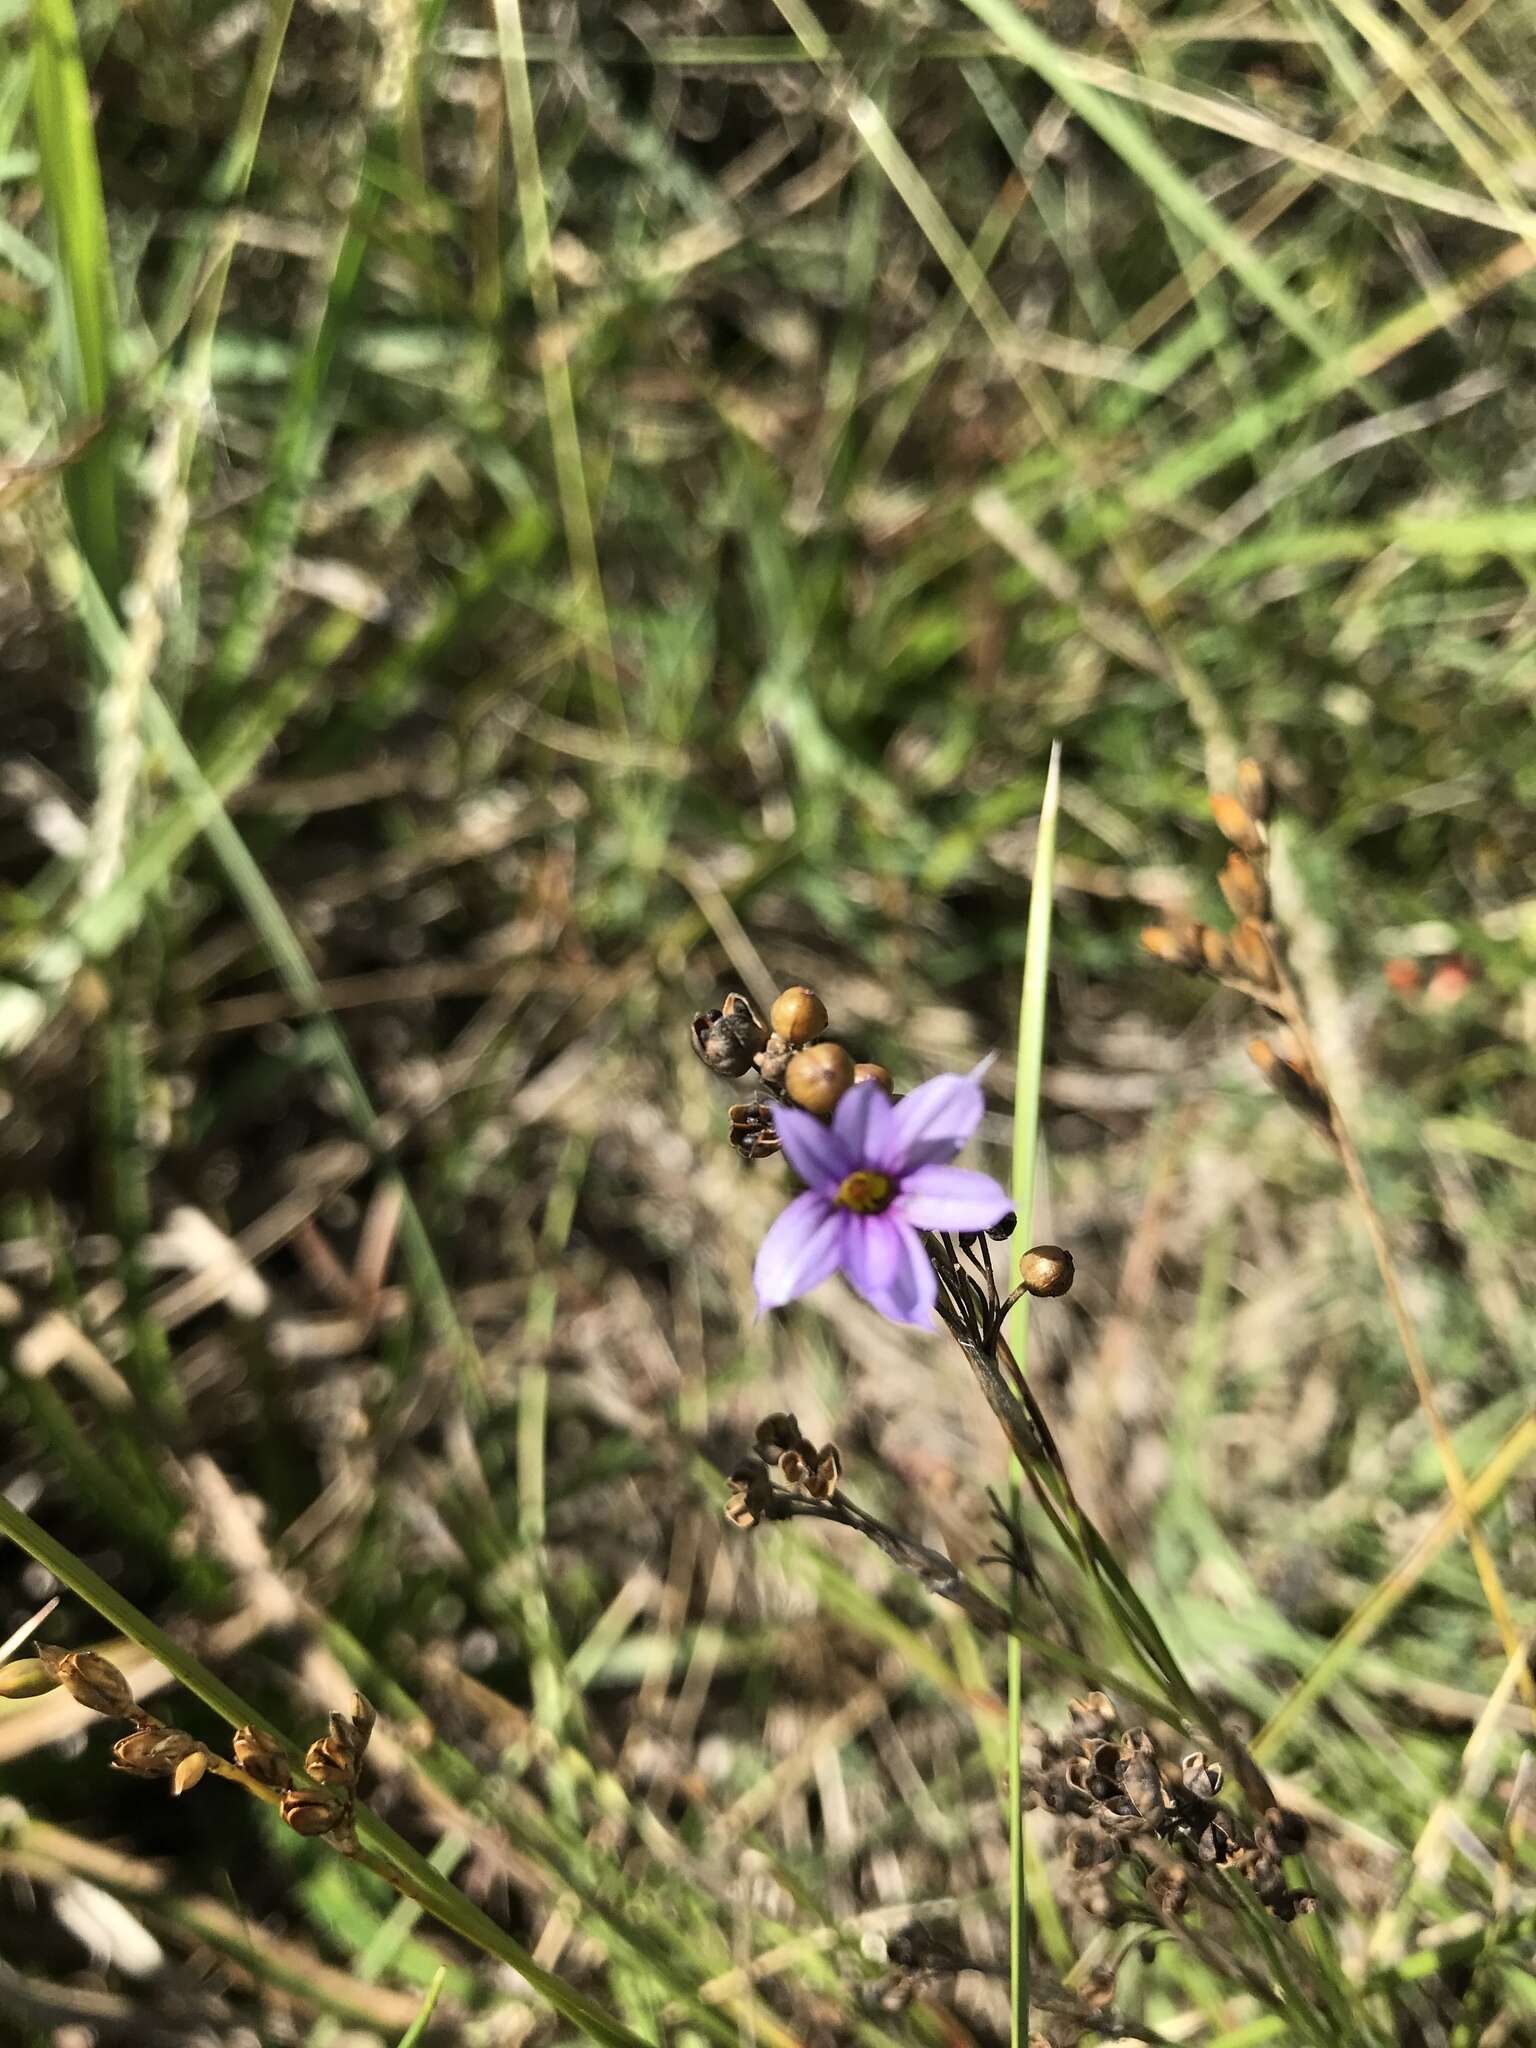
[417, 2030]
[1026, 1146]
[85, 304]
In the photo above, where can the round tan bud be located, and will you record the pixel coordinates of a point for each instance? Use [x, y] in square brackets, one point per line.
[90, 1680]
[153, 1752]
[309, 1813]
[798, 1014]
[25, 1678]
[1234, 823]
[871, 1070]
[1253, 789]
[819, 1077]
[1046, 1271]
[263, 1757]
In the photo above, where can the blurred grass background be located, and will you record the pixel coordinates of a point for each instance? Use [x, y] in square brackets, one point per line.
[518, 520]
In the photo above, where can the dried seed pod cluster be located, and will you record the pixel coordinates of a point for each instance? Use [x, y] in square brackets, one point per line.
[809, 1472]
[1126, 1802]
[791, 1058]
[1247, 957]
[258, 1761]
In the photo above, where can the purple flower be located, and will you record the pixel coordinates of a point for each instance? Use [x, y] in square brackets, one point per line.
[873, 1180]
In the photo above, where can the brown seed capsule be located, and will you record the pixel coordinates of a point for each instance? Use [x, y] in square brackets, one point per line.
[1201, 1775]
[1253, 789]
[818, 1078]
[1139, 1774]
[793, 1467]
[751, 1494]
[328, 1762]
[1243, 887]
[750, 1129]
[777, 1432]
[1283, 1832]
[153, 1752]
[826, 1470]
[717, 1045]
[364, 1720]
[90, 1680]
[189, 1772]
[26, 1678]
[1213, 951]
[798, 1015]
[871, 1070]
[1046, 1271]
[308, 1812]
[1003, 1228]
[263, 1757]
[1234, 823]
[1178, 944]
[1291, 1081]
[1250, 950]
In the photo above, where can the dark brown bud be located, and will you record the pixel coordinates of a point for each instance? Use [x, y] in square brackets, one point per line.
[264, 1757]
[751, 1131]
[1243, 887]
[90, 1680]
[1250, 950]
[1294, 1903]
[718, 1046]
[778, 1432]
[26, 1678]
[871, 1070]
[819, 1077]
[189, 1772]
[1253, 789]
[1003, 1228]
[1169, 1889]
[153, 1752]
[1282, 1832]
[1268, 1880]
[1176, 944]
[1046, 1271]
[364, 1720]
[1201, 1775]
[308, 1812]
[798, 1015]
[1234, 823]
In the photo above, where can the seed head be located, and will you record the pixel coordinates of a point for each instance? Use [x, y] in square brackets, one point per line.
[1201, 1775]
[818, 1077]
[308, 1812]
[90, 1680]
[1046, 1271]
[798, 1015]
[1250, 949]
[263, 1757]
[751, 1131]
[1234, 823]
[1214, 951]
[153, 1752]
[328, 1763]
[750, 1495]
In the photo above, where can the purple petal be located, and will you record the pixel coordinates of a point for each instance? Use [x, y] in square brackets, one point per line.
[931, 1124]
[804, 1246]
[951, 1198]
[862, 1121]
[817, 1154]
[885, 1260]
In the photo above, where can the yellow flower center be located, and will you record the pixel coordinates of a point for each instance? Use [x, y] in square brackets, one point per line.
[866, 1194]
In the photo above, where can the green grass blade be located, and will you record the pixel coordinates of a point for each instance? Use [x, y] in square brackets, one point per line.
[1026, 1145]
[417, 2030]
[85, 303]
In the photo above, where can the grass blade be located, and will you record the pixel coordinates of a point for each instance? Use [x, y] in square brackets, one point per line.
[1026, 1145]
[416, 2031]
